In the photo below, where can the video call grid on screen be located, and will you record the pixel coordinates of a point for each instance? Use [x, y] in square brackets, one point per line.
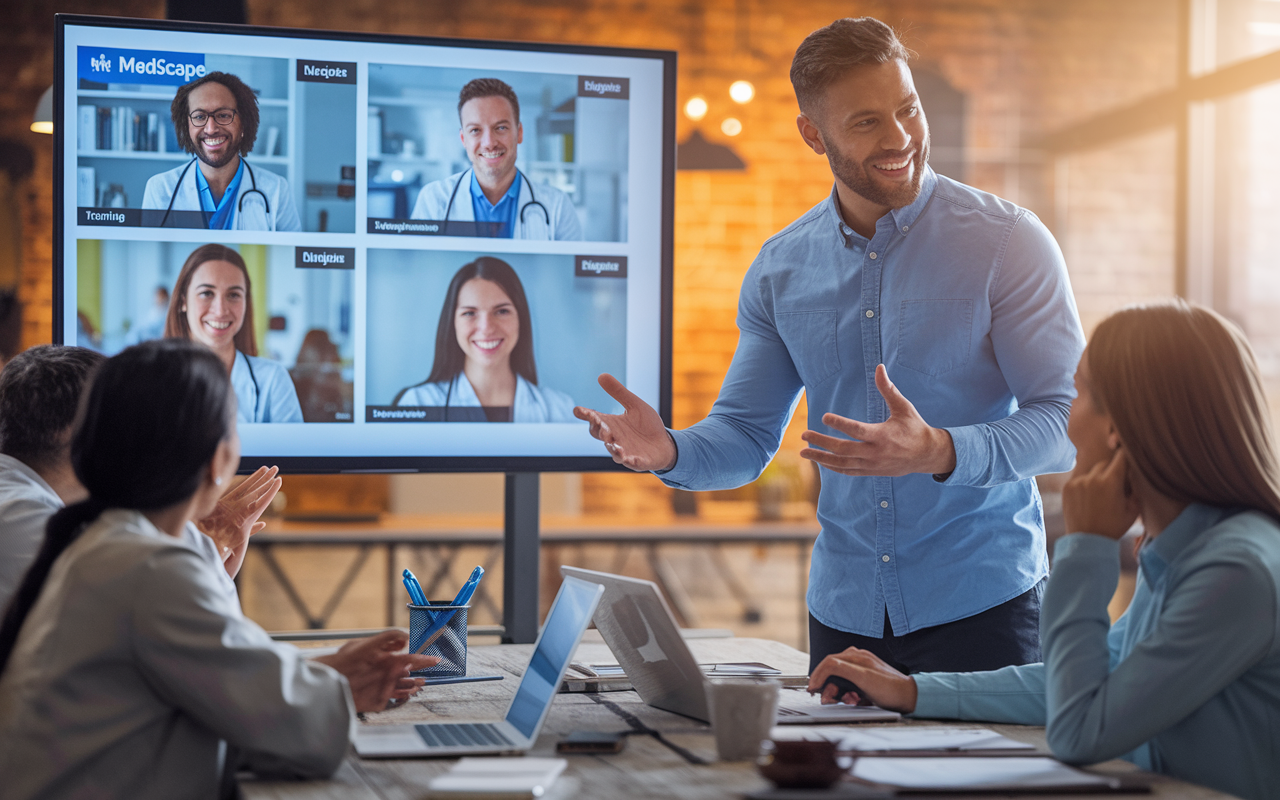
[351, 155]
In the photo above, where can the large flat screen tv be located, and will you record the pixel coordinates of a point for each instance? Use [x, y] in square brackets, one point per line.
[413, 254]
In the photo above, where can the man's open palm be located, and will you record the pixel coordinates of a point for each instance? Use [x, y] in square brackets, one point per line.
[636, 438]
[901, 445]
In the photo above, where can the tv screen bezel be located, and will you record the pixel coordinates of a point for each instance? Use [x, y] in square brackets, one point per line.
[400, 464]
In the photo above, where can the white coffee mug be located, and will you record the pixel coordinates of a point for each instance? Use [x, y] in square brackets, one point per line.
[742, 714]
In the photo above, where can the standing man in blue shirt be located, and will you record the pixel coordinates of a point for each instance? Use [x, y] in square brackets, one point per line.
[493, 197]
[932, 550]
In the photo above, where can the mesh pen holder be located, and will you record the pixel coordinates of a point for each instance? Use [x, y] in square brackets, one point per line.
[450, 646]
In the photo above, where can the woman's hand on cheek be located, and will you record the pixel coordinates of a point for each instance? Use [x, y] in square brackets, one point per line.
[1098, 499]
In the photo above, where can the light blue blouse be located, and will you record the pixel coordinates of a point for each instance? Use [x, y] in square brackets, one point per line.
[1186, 682]
[264, 390]
[532, 403]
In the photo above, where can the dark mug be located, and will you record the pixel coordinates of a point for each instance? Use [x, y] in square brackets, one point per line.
[800, 764]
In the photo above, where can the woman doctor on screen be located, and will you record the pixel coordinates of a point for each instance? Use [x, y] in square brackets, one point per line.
[484, 351]
[211, 304]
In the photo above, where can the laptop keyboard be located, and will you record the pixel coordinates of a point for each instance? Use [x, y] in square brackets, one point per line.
[466, 734]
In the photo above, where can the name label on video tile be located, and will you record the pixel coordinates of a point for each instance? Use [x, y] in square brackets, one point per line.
[435, 227]
[326, 71]
[324, 257]
[600, 266]
[591, 86]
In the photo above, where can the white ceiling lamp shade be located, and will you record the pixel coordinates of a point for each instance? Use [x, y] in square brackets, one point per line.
[43, 120]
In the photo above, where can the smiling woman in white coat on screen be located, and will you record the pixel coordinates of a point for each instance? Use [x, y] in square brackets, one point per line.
[484, 368]
[212, 304]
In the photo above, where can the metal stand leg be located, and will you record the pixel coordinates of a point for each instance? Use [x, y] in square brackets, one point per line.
[521, 559]
[751, 613]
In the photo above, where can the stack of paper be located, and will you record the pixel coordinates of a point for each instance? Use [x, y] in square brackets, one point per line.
[497, 779]
[911, 740]
[1035, 773]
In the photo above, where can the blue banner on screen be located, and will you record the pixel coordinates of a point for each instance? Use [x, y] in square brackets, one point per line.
[160, 67]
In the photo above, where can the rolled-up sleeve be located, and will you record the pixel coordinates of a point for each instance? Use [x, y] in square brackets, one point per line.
[736, 441]
[1037, 340]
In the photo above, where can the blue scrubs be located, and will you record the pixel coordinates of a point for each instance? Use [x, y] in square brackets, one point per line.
[219, 216]
[505, 210]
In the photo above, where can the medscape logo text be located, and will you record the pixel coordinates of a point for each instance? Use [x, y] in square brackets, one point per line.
[107, 64]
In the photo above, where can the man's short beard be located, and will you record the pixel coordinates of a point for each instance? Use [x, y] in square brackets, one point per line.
[856, 177]
[231, 154]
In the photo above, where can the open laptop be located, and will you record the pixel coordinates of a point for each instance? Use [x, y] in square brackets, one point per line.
[568, 619]
[638, 627]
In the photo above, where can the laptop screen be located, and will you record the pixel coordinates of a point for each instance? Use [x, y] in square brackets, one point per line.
[568, 619]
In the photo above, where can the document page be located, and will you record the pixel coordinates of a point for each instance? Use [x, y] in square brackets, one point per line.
[963, 773]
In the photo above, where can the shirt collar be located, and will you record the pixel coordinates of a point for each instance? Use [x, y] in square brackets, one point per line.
[1158, 554]
[902, 218]
[9, 462]
[477, 192]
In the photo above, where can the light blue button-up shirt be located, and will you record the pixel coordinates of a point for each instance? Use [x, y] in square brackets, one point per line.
[1186, 682]
[965, 298]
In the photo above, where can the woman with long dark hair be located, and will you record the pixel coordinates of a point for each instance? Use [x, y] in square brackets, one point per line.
[126, 670]
[484, 366]
[212, 303]
[1171, 426]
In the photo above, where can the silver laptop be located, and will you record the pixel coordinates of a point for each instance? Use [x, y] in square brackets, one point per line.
[568, 619]
[638, 627]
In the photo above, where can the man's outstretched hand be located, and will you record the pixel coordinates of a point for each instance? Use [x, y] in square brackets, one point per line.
[636, 438]
[901, 445]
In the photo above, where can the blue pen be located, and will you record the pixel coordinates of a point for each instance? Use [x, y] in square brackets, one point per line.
[469, 588]
[411, 585]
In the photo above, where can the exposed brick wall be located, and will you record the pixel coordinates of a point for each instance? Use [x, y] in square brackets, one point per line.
[1027, 66]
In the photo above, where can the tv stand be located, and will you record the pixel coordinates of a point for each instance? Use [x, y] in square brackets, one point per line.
[521, 565]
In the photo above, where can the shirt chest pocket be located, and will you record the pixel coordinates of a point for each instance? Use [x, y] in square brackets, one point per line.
[810, 337]
[934, 336]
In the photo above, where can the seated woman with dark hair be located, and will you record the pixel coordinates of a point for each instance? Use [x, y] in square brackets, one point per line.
[1170, 425]
[126, 669]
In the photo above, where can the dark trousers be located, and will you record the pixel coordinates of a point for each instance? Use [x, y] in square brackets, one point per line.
[998, 637]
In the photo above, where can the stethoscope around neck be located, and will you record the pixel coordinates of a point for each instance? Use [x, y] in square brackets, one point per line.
[257, 390]
[253, 183]
[533, 201]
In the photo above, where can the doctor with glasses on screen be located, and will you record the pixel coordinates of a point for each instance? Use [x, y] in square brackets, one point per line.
[494, 190]
[216, 120]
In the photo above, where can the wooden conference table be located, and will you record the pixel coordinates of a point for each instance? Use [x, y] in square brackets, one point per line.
[645, 768]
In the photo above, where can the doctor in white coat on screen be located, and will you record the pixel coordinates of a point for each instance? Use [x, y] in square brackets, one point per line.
[212, 304]
[484, 353]
[494, 190]
[216, 120]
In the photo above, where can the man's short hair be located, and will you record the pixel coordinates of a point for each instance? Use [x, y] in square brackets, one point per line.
[246, 108]
[39, 393]
[488, 87]
[826, 55]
